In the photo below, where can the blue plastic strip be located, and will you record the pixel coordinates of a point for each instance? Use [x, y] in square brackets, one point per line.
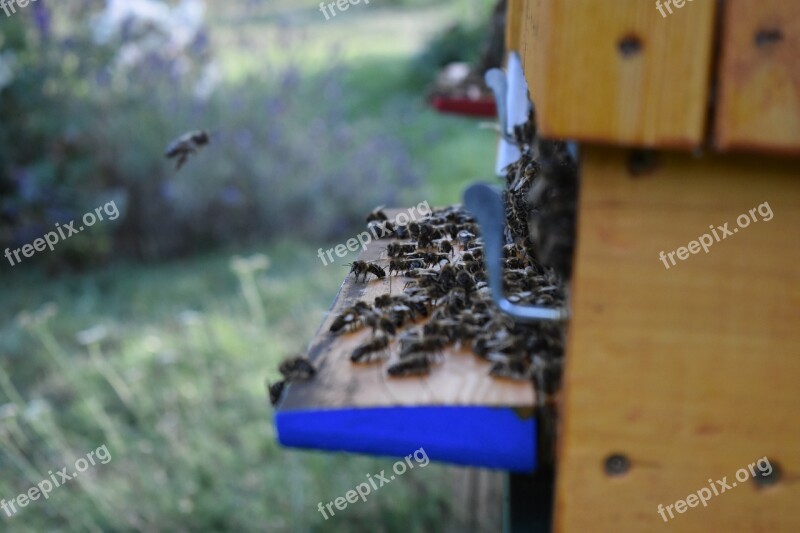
[476, 436]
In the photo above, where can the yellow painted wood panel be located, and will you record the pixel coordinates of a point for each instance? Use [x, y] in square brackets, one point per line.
[692, 372]
[585, 88]
[759, 77]
[514, 13]
[528, 29]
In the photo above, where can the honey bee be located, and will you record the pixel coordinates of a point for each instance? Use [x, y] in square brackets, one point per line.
[379, 322]
[446, 247]
[377, 214]
[418, 305]
[398, 249]
[185, 145]
[456, 300]
[473, 267]
[350, 318]
[513, 250]
[275, 391]
[465, 280]
[415, 263]
[416, 365]
[514, 263]
[297, 368]
[432, 259]
[425, 241]
[408, 336]
[399, 314]
[397, 266]
[386, 228]
[366, 267]
[463, 332]
[476, 253]
[430, 344]
[365, 352]
[514, 369]
[465, 237]
[384, 300]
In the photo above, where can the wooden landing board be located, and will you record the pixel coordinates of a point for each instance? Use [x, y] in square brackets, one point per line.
[458, 413]
[693, 372]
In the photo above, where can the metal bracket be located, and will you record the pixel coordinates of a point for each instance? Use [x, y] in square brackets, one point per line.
[485, 202]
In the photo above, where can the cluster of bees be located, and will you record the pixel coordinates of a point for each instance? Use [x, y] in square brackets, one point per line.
[446, 301]
[541, 198]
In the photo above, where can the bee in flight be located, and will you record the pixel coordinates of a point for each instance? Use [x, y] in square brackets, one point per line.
[185, 145]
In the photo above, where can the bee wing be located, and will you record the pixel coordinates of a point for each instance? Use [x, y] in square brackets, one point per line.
[187, 142]
[176, 146]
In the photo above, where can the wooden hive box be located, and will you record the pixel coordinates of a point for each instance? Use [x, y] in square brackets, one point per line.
[689, 372]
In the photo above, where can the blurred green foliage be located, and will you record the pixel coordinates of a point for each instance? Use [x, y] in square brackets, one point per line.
[166, 363]
[82, 123]
[166, 366]
[460, 42]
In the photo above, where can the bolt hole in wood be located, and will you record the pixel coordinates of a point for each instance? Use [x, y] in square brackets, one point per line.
[767, 37]
[629, 45]
[617, 464]
[642, 163]
[763, 479]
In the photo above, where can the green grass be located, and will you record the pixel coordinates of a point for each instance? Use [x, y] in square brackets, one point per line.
[174, 386]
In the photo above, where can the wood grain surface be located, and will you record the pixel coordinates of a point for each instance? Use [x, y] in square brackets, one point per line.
[585, 88]
[759, 77]
[691, 372]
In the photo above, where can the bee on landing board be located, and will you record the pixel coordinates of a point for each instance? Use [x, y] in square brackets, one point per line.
[350, 319]
[365, 353]
[427, 345]
[185, 145]
[297, 369]
[413, 365]
[365, 268]
[377, 214]
[275, 391]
